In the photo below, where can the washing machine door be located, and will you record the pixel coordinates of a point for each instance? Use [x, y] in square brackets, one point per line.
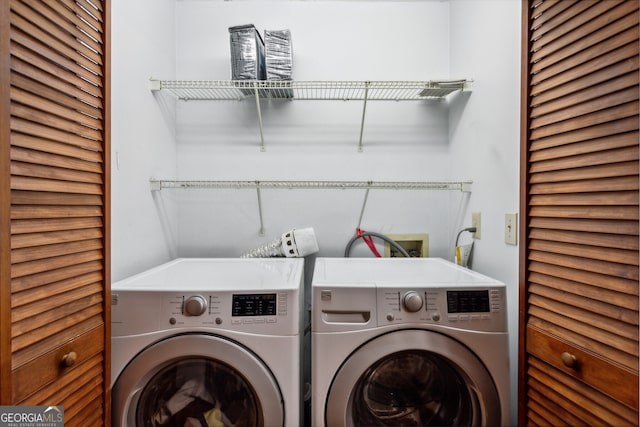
[412, 377]
[194, 380]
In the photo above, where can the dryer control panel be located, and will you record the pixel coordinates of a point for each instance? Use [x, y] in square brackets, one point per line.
[476, 308]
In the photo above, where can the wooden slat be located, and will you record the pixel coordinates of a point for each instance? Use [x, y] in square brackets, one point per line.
[31, 170]
[604, 101]
[37, 157]
[579, 311]
[37, 296]
[42, 104]
[610, 301]
[22, 43]
[557, 70]
[557, 16]
[608, 165]
[573, 394]
[52, 225]
[35, 144]
[622, 213]
[37, 130]
[624, 286]
[587, 135]
[624, 183]
[67, 14]
[591, 119]
[619, 198]
[39, 184]
[584, 90]
[70, 306]
[571, 18]
[595, 145]
[606, 268]
[24, 69]
[50, 251]
[58, 97]
[40, 239]
[41, 28]
[586, 238]
[55, 211]
[33, 281]
[37, 61]
[583, 159]
[68, 35]
[597, 74]
[54, 122]
[592, 32]
[40, 266]
[44, 198]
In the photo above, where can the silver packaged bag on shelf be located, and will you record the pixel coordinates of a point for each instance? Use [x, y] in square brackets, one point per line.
[247, 54]
[279, 60]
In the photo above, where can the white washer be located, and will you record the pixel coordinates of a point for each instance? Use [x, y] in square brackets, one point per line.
[208, 339]
[407, 341]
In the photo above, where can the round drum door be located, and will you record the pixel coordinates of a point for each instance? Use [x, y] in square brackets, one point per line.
[193, 380]
[409, 378]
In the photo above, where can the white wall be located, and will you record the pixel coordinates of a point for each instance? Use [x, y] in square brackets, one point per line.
[471, 136]
[484, 136]
[316, 140]
[143, 136]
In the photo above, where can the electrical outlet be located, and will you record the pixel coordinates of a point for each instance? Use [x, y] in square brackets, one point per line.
[416, 245]
[511, 229]
[475, 222]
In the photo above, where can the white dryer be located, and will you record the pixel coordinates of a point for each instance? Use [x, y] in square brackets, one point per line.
[407, 341]
[208, 342]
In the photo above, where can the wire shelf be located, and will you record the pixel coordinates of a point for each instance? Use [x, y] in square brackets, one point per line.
[465, 186]
[311, 90]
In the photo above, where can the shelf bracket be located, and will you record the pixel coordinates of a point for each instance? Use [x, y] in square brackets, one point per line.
[364, 205]
[261, 232]
[255, 88]
[364, 112]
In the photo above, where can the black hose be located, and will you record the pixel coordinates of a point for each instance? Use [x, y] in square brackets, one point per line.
[392, 242]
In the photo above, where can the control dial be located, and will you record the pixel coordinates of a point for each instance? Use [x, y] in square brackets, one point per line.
[412, 301]
[195, 306]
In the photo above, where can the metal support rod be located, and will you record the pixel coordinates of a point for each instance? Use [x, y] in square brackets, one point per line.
[364, 112]
[255, 88]
[261, 232]
[364, 204]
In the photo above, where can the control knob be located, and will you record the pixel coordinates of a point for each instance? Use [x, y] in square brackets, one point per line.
[195, 306]
[412, 301]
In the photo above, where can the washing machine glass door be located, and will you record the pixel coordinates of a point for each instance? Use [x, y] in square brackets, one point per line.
[412, 377]
[196, 380]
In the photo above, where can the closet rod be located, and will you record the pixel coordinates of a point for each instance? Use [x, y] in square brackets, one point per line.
[464, 186]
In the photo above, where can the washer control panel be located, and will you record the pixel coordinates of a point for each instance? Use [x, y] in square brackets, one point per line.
[274, 312]
[466, 308]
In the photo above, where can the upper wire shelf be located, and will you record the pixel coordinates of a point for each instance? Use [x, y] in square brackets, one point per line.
[311, 90]
[464, 186]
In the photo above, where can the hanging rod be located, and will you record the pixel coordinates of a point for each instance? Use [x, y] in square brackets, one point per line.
[464, 186]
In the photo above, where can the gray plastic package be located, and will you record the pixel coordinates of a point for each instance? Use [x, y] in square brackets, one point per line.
[279, 59]
[247, 54]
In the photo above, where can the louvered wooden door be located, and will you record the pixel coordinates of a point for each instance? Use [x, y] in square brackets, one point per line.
[54, 200]
[579, 255]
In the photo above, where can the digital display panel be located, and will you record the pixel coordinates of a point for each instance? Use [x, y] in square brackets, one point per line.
[254, 305]
[468, 302]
